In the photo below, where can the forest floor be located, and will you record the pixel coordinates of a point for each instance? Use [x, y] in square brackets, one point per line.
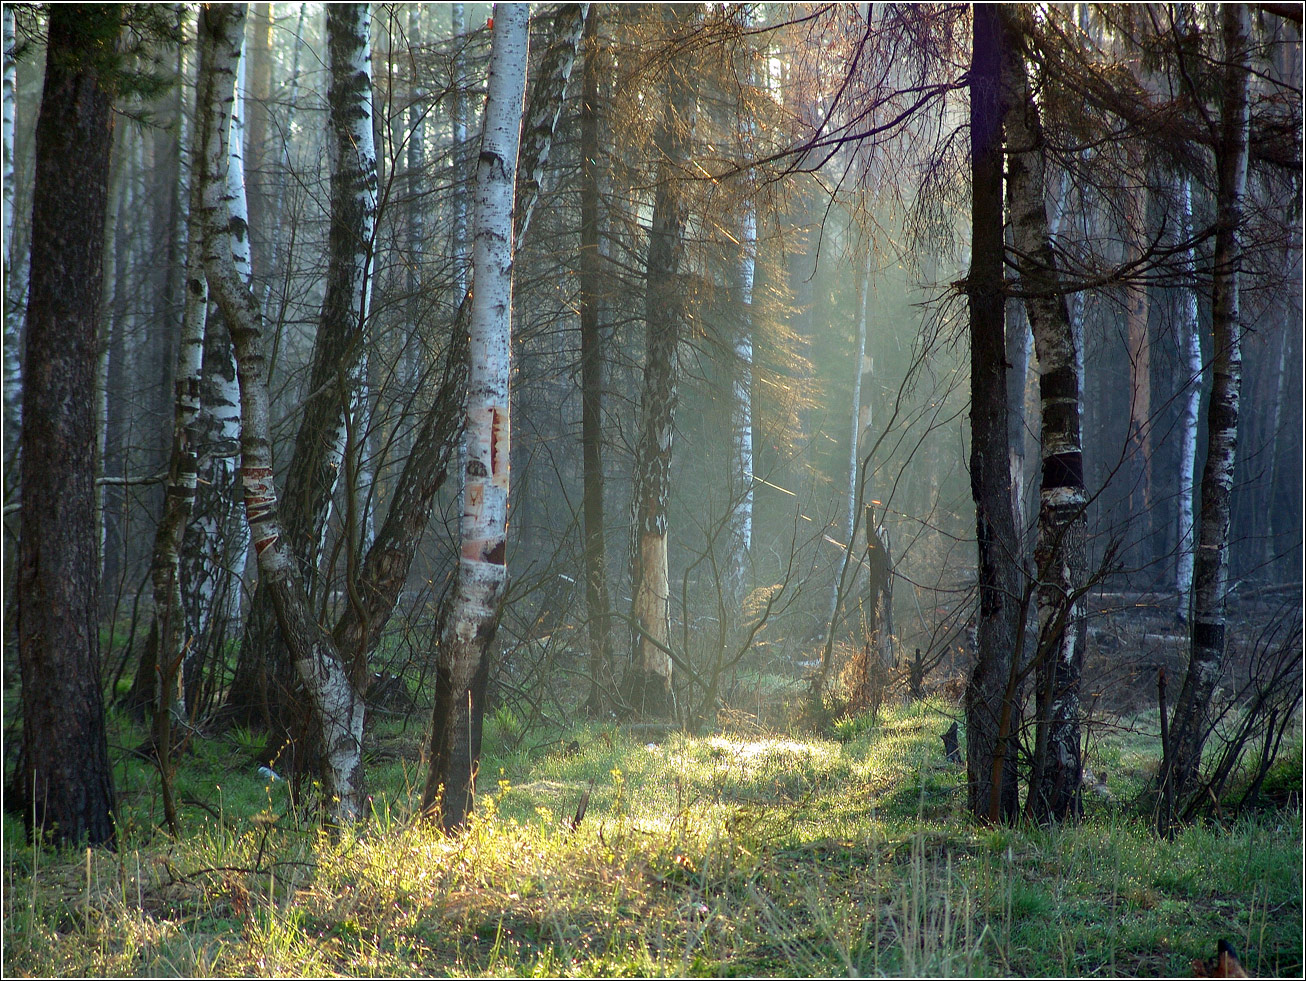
[748, 851]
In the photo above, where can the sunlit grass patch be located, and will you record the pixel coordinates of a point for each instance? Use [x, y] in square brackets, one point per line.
[741, 852]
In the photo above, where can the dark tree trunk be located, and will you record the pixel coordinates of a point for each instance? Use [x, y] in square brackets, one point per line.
[591, 379]
[648, 685]
[65, 755]
[992, 689]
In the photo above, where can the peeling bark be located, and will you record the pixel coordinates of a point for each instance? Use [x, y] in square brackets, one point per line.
[335, 406]
[385, 567]
[337, 708]
[482, 568]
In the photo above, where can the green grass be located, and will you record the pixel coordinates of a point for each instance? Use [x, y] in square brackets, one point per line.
[740, 853]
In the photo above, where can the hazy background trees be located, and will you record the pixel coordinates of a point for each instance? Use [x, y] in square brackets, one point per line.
[760, 215]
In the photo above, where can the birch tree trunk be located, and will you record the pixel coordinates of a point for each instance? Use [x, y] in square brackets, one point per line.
[215, 546]
[738, 561]
[168, 640]
[1191, 719]
[648, 685]
[1059, 553]
[333, 409]
[385, 567]
[66, 778]
[992, 691]
[598, 603]
[215, 552]
[458, 120]
[1019, 342]
[7, 127]
[1190, 361]
[14, 300]
[482, 569]
[336, 705]
[416, 164]
[339, 350]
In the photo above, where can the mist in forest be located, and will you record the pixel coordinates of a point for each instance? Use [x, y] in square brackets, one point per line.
[739, 453]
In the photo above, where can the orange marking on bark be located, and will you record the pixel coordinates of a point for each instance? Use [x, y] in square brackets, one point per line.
[500, 448]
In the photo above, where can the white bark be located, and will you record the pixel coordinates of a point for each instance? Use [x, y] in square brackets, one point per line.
[458, 120]
[386, 566]
[483, 524]
[183, 468]
[1190, 724]
[1059, 554]
[482, 565]
[338, 709]
[741, 422]
[1190, 360]
[458, 112]
[225, 537]
[10, 93]
[353, 164]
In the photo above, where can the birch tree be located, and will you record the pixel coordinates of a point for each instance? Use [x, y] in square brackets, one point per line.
[13, 379]
[458, 120]
[741, 387]
[66, 778]
[1059, 552]
[387, 563]
[169, 643]
[214, 551]
[1190, 721]
[336, 392]
[336, 706]
[1190, 360]
[482, 567]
